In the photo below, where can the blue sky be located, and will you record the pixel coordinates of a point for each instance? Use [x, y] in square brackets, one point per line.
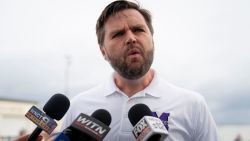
[200, 45]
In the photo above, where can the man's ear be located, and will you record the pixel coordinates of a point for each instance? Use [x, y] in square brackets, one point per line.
[104, 54]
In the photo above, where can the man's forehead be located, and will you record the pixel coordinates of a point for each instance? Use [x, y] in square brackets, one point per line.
[125, 18]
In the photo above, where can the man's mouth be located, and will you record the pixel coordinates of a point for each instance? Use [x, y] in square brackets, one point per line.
[133, 52]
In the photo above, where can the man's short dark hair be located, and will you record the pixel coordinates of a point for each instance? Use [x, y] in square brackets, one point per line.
[114, 8]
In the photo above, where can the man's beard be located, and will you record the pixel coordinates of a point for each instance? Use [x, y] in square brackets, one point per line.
[130, 70]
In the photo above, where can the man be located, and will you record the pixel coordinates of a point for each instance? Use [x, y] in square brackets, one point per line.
[125, 36]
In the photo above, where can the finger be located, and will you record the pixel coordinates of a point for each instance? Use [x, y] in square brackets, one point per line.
[22, 138]
[39, 138]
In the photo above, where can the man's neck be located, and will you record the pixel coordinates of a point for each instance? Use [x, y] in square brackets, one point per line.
[131, 87]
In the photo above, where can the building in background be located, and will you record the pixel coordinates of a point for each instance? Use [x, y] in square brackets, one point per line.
[12, 117]
[230, 132]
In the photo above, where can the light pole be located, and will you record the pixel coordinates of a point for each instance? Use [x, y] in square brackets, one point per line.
[66, 83]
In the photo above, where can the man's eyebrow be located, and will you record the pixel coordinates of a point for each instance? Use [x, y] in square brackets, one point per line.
[122, 29]
[116, 31]
[138, 26]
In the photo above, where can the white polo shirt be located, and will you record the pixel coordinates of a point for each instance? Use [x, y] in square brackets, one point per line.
[184, 112]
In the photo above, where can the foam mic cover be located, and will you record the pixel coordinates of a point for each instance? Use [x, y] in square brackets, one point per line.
[103, 116]
[137, 112]
[57, 106]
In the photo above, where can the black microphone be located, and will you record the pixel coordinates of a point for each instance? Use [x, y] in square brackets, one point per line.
[55, 108]
[87, 128]
[146, 127]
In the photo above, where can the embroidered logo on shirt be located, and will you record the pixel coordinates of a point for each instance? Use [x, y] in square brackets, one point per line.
[164, 118]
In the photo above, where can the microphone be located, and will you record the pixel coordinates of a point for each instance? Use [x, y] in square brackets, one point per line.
[146, 127]
[87, 128]
[55, 108]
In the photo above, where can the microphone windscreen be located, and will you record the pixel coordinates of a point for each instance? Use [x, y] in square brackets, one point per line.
[103, 116]
[137, 112]
[57, 106]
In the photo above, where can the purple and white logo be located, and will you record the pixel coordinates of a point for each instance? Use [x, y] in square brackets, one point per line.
[163, 117]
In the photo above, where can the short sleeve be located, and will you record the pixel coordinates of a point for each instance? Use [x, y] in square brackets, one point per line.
[205, 127]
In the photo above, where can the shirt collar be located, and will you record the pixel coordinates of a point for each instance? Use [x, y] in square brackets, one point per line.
[110, 86]
[153, 89]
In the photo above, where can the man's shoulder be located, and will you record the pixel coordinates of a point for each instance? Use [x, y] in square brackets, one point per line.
[178, 92]
[87, 101]
[92, 92]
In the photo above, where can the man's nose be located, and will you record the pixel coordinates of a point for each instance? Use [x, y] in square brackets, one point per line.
[131, 38]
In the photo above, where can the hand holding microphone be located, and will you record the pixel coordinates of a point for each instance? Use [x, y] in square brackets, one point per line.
[25, 137]
[146, 127]
[55, 108]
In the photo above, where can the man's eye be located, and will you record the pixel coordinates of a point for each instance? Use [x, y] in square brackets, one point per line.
[138, 30]
[117, 34]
